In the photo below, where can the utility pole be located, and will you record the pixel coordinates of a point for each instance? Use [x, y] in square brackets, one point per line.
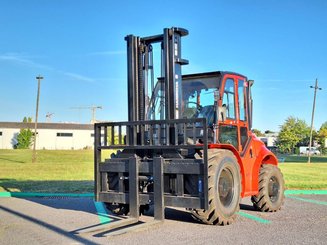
[312, 117]
[36, 115]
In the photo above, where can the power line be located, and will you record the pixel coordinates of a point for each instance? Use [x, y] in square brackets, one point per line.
[92, 108]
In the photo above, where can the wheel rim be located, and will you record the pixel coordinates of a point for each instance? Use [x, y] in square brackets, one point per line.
[226, 187]
[273, 189]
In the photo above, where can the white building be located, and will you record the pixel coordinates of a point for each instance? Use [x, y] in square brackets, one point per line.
[52, 136]
[269, 139]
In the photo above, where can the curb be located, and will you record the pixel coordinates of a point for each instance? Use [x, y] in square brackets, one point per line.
[305, 192]
[36, 194]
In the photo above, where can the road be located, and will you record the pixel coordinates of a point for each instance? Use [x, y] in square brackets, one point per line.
[68, 220]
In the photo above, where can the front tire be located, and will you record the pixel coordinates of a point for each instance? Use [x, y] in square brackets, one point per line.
[117, 209]
[224, 189]
[271, 189]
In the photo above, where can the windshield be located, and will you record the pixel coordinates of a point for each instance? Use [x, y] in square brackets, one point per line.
[197, 98]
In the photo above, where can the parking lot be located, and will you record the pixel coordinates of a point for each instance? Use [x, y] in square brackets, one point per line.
[77, 219]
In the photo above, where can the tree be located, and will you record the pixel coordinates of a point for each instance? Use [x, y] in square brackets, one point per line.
[116, 136]
[294, 132]
[324, 125]
[25, 136]
[257, 132]
[27, 120]
[322, 136]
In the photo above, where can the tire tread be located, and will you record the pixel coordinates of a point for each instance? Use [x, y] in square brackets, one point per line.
[210, 216]
[261, 201]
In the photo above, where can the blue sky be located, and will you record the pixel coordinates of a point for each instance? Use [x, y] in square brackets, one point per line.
[79, 48]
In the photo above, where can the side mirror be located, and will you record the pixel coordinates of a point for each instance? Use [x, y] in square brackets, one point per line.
[250, 101]
[216, 109]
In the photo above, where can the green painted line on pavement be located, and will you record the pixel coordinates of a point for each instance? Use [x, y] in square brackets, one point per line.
[308, 200]
[5, 194]
[35, 194]
[255, 218]
[102, 213]
[305, 192]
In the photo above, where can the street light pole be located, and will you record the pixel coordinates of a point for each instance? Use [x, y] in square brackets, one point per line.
[36, 116]
[312, 117]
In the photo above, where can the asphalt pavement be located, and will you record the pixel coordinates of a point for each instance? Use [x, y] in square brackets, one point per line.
[80, 220]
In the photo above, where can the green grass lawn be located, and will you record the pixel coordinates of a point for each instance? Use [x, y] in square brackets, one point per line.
[304, 175]
[72, 171]
[54, 171]
[298, 174]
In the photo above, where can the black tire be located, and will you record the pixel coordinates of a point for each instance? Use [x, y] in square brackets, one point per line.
[224, 189]
[271, 189]
[118, 209]
[123, 209]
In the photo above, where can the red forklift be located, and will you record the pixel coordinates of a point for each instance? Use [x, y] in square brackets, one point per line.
[187, 142]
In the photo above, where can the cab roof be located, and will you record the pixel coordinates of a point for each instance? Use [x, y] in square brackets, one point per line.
[210, 74]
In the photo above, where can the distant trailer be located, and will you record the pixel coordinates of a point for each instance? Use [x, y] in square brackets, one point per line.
[304, 150]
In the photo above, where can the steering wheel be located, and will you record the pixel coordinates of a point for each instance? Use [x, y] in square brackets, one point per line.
[198, 106]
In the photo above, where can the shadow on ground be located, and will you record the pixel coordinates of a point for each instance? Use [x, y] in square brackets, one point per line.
[51, 227]
[10, 160]
[47, 186]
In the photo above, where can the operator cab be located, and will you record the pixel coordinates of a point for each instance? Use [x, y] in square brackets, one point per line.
[198, 97]
[223, 98]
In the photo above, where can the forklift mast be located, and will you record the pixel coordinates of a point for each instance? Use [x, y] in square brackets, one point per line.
[141, 73]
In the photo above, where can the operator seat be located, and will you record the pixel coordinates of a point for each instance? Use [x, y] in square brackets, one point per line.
[208, 113]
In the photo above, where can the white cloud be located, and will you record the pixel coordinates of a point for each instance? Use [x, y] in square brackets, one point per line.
[109, 53]
[285, 80]
[25, 60]
[22, 60]
[78, 77]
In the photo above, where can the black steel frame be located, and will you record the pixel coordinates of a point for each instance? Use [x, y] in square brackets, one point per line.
[137, 65]
[157, 166]
[152, 148]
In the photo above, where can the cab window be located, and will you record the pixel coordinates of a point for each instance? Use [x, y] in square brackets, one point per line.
[228, 135]
[228, 99]
[241, 99]
[198, 99]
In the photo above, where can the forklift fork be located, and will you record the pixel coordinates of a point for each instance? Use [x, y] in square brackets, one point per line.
[134, 202]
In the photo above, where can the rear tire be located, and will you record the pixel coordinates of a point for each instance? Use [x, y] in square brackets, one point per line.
[224, 189]
[271, 189]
